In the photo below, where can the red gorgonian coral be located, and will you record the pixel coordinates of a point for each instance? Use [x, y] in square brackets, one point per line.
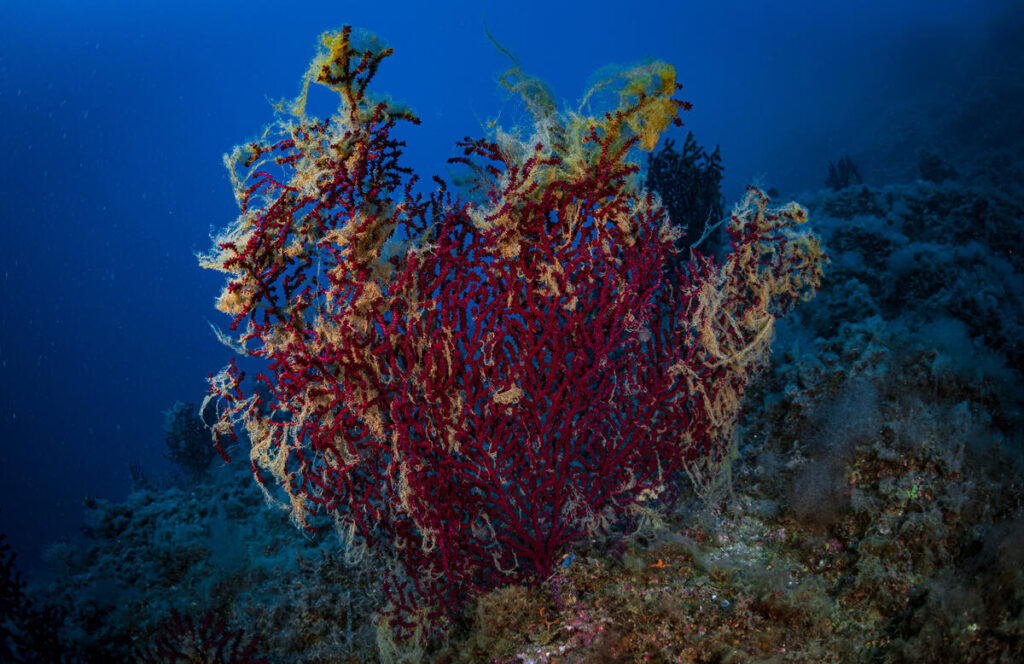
[182, 639]
[470, 386]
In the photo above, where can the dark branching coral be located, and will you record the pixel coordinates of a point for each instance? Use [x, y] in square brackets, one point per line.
[187, 439]
[933, 168]
[12, 599]
[28, 633]
[842, 174]
[689, 183]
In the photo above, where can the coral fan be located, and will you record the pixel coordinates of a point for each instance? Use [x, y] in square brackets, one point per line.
[183, 639]
[689, 183]
[187, 440]
[472, 387]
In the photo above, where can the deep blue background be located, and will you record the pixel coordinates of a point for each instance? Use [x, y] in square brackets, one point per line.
[114, 117]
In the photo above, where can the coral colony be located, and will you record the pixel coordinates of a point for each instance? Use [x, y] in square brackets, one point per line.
[469, 384]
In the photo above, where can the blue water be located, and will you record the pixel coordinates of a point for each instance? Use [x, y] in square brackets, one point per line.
[114, 117]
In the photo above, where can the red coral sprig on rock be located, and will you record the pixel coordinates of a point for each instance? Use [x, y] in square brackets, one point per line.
[182, 639]
[471, 387]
